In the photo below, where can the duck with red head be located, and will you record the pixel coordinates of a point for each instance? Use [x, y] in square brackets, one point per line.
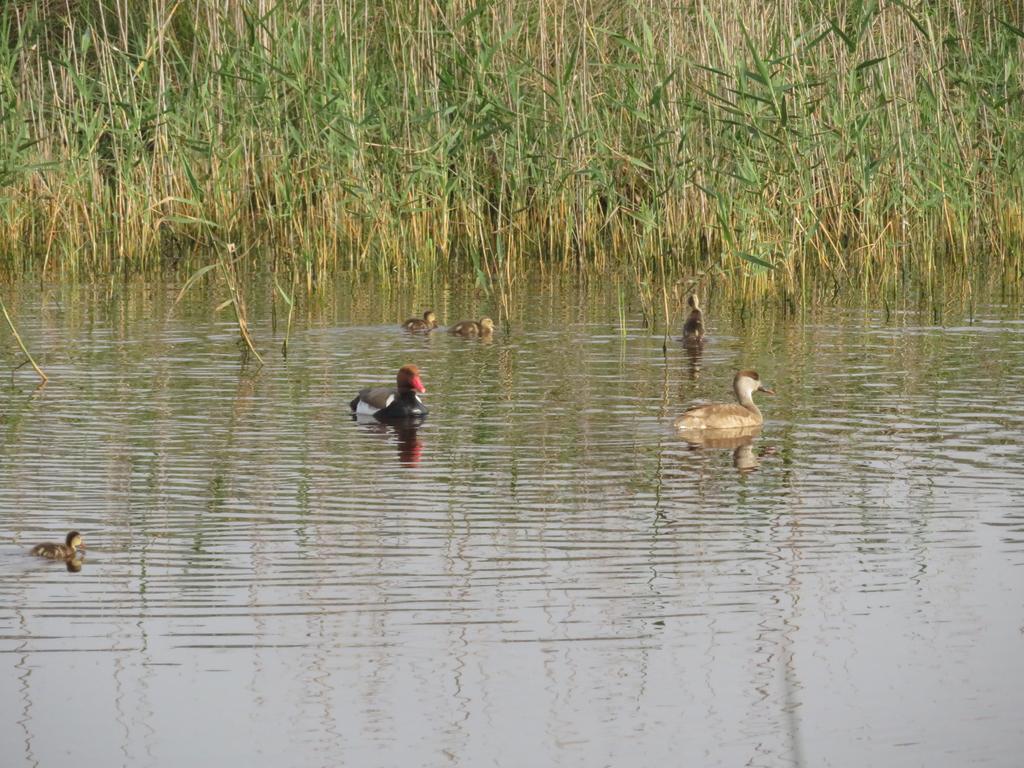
[403, 402]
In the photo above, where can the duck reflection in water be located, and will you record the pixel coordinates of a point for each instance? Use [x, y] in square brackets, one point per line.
[740, 441]
[406, 434]
[694, 352]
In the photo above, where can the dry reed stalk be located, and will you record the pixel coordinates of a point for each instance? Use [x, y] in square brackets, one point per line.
[21, 344]
[511, 137]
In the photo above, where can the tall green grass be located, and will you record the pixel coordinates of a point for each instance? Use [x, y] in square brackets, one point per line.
[653, 138]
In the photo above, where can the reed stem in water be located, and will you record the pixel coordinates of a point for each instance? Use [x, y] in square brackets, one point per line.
[24, 349]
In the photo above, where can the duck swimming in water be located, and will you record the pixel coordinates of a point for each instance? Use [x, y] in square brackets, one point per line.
[472, 328]
[428, 323]
[403, 402]
[66, 551]
[738, 415]
[693, 328]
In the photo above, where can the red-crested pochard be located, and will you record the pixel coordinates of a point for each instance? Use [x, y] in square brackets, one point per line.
[69, 549]
[428, 323]
[472, 328]
[400, 403]
[728, 415]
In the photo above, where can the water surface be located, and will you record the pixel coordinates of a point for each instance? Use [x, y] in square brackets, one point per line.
[542, 573]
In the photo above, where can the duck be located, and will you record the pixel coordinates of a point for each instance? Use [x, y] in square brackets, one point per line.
[473, 328]
[693, 328]
[741, 415]
[428, 323]
[403, 402]
[66, 551]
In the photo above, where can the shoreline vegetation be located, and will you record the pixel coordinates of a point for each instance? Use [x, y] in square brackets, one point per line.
[862, 143]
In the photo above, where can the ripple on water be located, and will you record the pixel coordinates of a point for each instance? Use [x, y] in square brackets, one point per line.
[543, 550]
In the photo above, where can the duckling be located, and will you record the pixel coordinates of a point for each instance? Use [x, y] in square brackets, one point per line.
[472, 328]
[728, 415]
[693, 328]
[428, 323]
[66, 551]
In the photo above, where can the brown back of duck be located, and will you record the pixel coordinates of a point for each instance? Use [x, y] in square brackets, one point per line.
[693, 328]
[467, 328]
[719, 416]
[53, 551]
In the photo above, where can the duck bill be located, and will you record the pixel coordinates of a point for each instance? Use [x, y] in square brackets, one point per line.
[418, 385]
[766, 390]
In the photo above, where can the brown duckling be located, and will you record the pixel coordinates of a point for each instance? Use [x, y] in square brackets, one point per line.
[693, 328]
[66, 551]
[472, 328]
[738, 415]
[428, 323]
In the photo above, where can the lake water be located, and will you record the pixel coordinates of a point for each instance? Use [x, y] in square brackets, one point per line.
[543, 573]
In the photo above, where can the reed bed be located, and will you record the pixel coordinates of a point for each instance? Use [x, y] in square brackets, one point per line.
[849, 141]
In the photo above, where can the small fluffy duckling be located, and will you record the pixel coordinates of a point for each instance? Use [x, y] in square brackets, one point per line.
[728, 415]
[66, 551]
[428, 323]
[472, 328]
[693, 328]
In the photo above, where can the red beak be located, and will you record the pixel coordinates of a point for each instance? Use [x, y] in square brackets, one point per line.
[418, 385]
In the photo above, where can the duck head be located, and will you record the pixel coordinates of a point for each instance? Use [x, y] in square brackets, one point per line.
[747, 383]
[409, 378]
[486, 324]
[74, 540]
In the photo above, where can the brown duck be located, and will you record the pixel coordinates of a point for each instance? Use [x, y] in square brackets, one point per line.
[427, 323]
[739, 415]
[472, 328]
[66, 551]
[693, 328]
